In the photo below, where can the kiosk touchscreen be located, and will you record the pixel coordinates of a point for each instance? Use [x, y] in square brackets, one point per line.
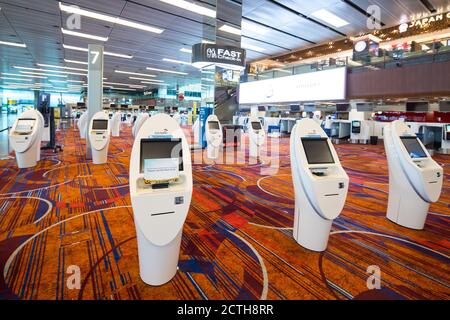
[82, 124]
[415, 179]
[161, 191]
[356, 127]
[99, 137]
[140, 120]
[25, 138]
[214, 136]
[320, 184]
[256, 136]
[115, 124]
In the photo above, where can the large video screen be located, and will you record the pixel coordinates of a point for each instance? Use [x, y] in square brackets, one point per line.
[161, 149]
[100, 124]
[213, 125]
[317, 150]
[315, 86]
[256, 125]
[413, 147]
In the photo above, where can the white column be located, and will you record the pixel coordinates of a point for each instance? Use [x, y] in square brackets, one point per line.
[95, 87]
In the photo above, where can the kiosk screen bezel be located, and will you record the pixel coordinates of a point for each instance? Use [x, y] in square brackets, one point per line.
[259, 126]
[321, 143]
[101, 122]
[31, 122]
[418, 148]
[155, 142]
[213, 125]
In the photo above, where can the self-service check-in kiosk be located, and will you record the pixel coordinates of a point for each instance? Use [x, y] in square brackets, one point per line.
[196, 130]
[214, 136]
[320, 184]
[161, 192]
[360, 131]
[140, 120]
[99, 137]
[82, 124]
[257, 136]
[41, 124]
[415, 179]
[115, 124]
[25, 137]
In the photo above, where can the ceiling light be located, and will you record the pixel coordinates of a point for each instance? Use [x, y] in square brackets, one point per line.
[330, 18]
[126, 56]
[51, 71]
[76, 62]
[208, 42]
[77, 81]
[104, 17]
[58, 81]
[123, 84]
[206, 79]
[192, 7]
[135, 73]
[186, 50]
[252, 47]
[167, 71]
[13, 44]
[83, 35]
[44, 74]
[154, 80]
[230, 29]
[16, 79]
[123, 89]
[59, 67]
[176, 61]
[155, 84]
[23, 75]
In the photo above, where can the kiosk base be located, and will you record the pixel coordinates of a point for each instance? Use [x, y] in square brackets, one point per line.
[408, 211]
[254, 150]
[27, 159]
[100, 157]
[212, 153]
[312, 231]
[158, 265]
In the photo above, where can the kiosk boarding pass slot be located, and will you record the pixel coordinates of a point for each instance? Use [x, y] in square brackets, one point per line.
[25, 126]
[161, 161]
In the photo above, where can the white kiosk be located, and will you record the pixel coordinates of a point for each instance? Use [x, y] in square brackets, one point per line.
[361, 131]
[214, 136]
[161, 192]
[196, 129]
[25, 138]
[41, 134]
[115, 124]
[140, 120]
[320, 184]
[257, 136]
[82, 124]
[99, 137]
[415, 179]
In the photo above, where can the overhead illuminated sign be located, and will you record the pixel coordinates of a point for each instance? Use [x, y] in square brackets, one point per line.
[204, 54]
[314, 86]
[429, 20]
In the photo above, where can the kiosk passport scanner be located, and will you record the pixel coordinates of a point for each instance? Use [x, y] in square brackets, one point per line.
[256, 136]
[25, 138]
[161, 192]
[82, 124]
[320, 184]
[115, 124]
[99, 137]
[415, 179]
[141, 118]
[214, 136]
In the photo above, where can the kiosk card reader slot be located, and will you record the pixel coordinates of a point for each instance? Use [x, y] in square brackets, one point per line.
[415, 179]
[214, 137]
[320, 184]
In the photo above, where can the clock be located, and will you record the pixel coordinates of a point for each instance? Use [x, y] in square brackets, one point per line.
[360, 46]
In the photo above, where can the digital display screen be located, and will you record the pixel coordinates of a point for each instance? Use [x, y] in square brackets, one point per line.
[343, 107]
[317, 150]
[100, 125]
[213, 125]
[25, 125]
[413, 147]
[256, 125]
[417, 106]
[161, 149]
[356, 124]
[295, 108]
[447, 127]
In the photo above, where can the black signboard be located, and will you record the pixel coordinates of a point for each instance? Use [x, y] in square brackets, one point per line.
[226, 56]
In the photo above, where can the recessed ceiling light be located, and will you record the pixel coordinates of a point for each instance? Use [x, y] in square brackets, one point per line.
[176, 61]
[252, 47]
[155, 83]
[83, 35]
[104, 17]
[16, 79]
[186, 50]
[330, 18]
[22, 75]
[167, 71]
[58, 81]
[13, 44]
[123, 84]
[210, 80]
[126, 56]
[208, 42]
[230, 29]
[77, 81]
[60, 67]
[44, 74]
[135, 73]
[192, 7]
[154, 80]
[51, 71]
[76, 62]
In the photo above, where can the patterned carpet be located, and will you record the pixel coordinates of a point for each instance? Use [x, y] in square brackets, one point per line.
[237, 242]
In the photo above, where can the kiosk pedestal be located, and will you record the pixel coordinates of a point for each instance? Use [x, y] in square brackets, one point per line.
[256, 136]
[115, 124]
[320, 184]
[161, 192]
[214, 137]
[82, 125]
[99, 137]
[415, 179]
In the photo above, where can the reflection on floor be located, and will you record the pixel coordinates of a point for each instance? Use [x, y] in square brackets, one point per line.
[237, 241]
